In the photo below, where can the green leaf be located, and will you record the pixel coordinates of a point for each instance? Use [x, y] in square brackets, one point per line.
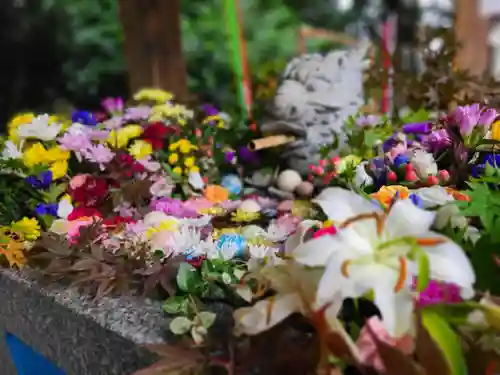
[186, 277]
[207, 318]
[482, 258]
[180, 325]
[423, 271]
[176, 305]
[447, 340]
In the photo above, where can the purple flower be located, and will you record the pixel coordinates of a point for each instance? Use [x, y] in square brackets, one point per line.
[42, 181]
[437, 141]
[417, 128]
[209, 109]
[368, 121]
[248, 156]
[469, 116]
[439, 292]
[229, 156]
[173, 207]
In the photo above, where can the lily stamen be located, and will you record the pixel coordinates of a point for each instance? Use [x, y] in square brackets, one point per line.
[344, 268]
[430, 241]
[403, 268]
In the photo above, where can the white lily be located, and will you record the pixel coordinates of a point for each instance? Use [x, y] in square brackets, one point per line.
[377, 251]
[295, 288]
[39, 128]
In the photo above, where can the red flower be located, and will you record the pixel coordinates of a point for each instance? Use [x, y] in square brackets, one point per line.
[156, 132]
[196, 262]
[325, 231]
[90, 193]
[82, 211]
[117, 220]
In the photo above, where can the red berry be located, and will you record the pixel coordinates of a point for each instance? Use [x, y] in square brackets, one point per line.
[411, 176]
[391, 176]
[432, 180]
[409, 168]
[322, 163]
[444, 175]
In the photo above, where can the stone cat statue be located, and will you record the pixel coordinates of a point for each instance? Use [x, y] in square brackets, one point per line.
[316, 95]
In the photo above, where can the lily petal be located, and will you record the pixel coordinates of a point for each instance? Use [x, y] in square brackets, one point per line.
[406, 219]
[449, 263]
[341, 204]
[265, 314]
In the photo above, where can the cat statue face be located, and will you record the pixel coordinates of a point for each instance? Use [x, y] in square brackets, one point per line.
[315, 97]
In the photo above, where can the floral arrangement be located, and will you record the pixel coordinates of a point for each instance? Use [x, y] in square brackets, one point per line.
[391, 268]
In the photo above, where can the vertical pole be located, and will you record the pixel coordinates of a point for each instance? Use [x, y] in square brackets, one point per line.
[471, 31]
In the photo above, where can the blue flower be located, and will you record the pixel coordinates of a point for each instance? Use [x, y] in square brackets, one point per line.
[233, 239]
[46, 209]
[400, 160]
[84, 118]
[416, 200]
[43, 180]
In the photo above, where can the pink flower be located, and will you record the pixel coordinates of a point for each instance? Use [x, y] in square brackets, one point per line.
[78, 180]
[149, 164]
[161, 188]
[75, 225]
[76, 142]
[99, 154]
[114, 122]
[367, 347]
[113, 105]
[198, 204]
[137, 113]
[438, 292]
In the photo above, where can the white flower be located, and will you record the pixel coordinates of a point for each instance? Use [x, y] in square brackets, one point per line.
[64, 208]
[11, 151]
[424, 163]
[298, 237]
[277, 232]
[433, 196]
[361, 178]
[295, 289]
[196, 181]
[39, 128]
[163, 187]
[197, 222]
[184, 241]
[450, 214]
[374, 251]
[261, 255]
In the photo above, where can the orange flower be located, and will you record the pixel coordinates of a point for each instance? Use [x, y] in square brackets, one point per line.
[386, 194]
[216, 193]
[457, 195]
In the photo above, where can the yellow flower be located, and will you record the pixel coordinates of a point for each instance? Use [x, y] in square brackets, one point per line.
[140, 149]
[495, 131]
[189, 162]
[328, 224]
[168, 110]
[242, 216]
[177, 170]
[349, 160]
[56, 154]
[170, 225]
[34, 155]
[186, 147]
[386, 194]
[173, 158]
[21, 119]
[215, 118]
[13, 252]
[194, 169]
[59, 169]
[121, 138]
[28, 229]
[213, 211]
[156, 95]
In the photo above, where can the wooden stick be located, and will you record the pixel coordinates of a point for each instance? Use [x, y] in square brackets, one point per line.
[271, 141]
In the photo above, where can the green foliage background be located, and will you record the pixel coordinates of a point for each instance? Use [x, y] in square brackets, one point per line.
[71, 50]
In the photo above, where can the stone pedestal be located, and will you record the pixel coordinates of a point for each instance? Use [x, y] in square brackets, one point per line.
[78, 335]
